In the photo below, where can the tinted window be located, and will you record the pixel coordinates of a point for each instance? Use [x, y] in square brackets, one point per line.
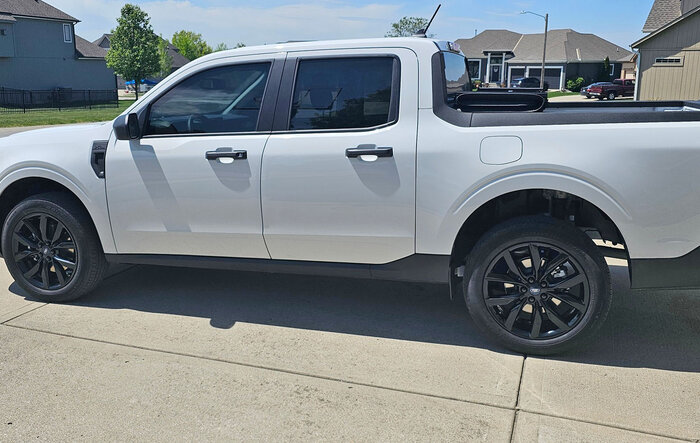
[225, 99]
[342, 93]
[456, 75]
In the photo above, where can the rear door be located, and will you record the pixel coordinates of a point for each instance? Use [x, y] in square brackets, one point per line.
[338, 175]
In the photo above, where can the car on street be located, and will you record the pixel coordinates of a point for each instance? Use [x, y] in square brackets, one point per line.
[528, 82]
[585, 91]
[373, 159]
[618, 88]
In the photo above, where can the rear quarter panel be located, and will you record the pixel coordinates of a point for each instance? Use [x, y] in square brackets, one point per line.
[643, 176]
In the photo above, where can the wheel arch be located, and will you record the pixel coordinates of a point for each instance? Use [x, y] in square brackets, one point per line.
[564, 205]
[25, 183]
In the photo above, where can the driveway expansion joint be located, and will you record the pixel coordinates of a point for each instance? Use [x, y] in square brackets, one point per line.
[23, 313]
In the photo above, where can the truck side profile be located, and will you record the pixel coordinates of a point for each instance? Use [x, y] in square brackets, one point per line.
[371, 159]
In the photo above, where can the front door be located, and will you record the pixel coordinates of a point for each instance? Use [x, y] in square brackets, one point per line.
[190, 185]
[338, 181]
[496, 74]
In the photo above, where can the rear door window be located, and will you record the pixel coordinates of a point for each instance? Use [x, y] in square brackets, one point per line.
[344, 93]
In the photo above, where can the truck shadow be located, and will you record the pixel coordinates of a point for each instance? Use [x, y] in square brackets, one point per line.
[650, 329]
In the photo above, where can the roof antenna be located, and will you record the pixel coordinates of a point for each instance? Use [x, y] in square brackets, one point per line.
[423, 32]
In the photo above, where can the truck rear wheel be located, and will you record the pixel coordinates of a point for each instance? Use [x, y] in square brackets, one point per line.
[51, 248]
[537, 285]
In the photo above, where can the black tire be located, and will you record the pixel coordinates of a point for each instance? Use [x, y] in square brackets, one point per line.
[591, 298]
[78, 244]
[611, 96]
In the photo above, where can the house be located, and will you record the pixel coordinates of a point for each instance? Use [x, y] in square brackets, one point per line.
[669, 56]
[499, 56]
[178, 60]
[40, 51]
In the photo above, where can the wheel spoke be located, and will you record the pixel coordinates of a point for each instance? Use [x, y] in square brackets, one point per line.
[513, 315]
[43, 219]
[569, 282]
[554, 318]
[65, 263]
[571, 301]
[536, 260]
[31, 228]
[498, 278]
[57, 233]
[536, 322]
[65, 245]
[21, 255]
[512, 265]
[500, 301]
[25, 241]
[33, 271]
[558, 261]
[60, 272]
[45, 275]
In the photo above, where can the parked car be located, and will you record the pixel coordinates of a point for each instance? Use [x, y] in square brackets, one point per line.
[369, 159]
[585, 91]
[618, 88]
[528, 82]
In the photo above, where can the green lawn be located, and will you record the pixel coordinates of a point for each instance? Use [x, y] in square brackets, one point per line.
[560, 93]
[55, 117]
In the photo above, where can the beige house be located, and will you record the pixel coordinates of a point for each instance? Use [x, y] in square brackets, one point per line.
[669, 56]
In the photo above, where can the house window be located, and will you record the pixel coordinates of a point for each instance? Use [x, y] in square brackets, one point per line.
[67, 33]
[2, 32]
[475, 69]
[669, 61]
[612, 68]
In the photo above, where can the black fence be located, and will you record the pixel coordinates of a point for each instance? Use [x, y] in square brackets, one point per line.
[20, 101]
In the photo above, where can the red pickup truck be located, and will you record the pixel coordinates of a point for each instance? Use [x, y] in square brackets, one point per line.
[618, 88]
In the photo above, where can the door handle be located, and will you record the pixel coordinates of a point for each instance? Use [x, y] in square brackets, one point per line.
[236, 155]
[361, 150]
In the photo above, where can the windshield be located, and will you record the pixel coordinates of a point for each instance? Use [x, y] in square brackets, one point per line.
[457, 79]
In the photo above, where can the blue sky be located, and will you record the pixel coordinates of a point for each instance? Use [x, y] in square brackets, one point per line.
[230, 21]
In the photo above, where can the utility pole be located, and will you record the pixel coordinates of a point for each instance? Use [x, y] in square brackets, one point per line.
[544, 49]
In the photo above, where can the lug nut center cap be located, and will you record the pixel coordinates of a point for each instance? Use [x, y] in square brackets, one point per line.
[535, 290]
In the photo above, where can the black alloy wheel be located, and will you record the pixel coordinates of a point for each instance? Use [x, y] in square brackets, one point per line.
[51, 247]
[537, 285]
[536, 291]
[44, 251]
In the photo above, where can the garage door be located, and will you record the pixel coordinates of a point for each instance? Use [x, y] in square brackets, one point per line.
[551, 75]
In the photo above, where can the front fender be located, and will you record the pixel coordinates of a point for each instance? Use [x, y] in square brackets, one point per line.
[94, 200]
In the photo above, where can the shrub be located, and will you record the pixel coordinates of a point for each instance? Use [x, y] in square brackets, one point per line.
[575, 85]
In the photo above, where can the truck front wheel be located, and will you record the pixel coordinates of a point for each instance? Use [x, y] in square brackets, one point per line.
[537, 285]
[51, 248]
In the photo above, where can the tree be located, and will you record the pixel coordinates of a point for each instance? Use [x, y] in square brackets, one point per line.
[134, 47]
[191, 44]
[407, 27]
[240, 45]
[165, 60]
[221, 47]
[605, 71]
[133, 53]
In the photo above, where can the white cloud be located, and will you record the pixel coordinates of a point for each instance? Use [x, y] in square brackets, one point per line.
[232, 23]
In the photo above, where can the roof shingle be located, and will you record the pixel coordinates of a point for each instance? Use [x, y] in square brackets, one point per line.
[34, 8]
[563, 45]
[662, 12]
[85, 49]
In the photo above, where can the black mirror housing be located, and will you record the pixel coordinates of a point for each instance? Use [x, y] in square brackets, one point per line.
[127, 127]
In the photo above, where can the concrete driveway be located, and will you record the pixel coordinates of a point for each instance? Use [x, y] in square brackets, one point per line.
[177, 354]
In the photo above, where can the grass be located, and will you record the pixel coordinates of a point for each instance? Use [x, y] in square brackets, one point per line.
[560, 94]
[56, 117]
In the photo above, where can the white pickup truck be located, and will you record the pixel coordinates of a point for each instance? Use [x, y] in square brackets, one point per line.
[371, 159]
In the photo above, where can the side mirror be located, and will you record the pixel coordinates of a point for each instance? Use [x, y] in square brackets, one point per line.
[127, 127]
